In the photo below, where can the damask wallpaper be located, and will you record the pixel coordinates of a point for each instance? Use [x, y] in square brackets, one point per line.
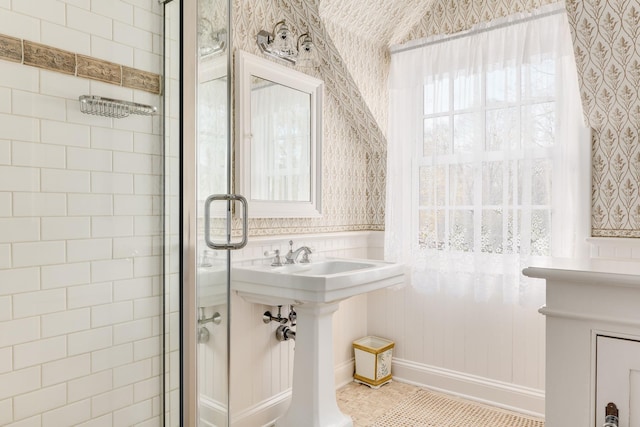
[353, 40]
[606, 36]
[354, 156]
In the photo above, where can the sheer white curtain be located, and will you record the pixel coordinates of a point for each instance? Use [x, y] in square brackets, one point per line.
[488, 160]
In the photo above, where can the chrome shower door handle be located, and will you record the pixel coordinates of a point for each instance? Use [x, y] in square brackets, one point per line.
[207, 221]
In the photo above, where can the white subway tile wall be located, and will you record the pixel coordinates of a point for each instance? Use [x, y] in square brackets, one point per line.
[80, 255]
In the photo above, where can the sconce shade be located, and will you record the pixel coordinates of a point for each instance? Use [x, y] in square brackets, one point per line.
[307, 52]
[283, 43]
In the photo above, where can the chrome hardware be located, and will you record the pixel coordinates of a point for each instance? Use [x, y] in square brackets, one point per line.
[611, 415]
[203, 335]
[207, 221]
[277, 260]
[285, 333]
[116, 108]
[203, 319]
[203, 332]
[267, 317]
[292, 255]
[293, 316]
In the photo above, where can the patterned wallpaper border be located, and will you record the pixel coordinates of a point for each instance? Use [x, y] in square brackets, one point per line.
[50, 58]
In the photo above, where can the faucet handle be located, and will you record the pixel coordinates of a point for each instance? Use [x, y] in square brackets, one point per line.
[289, 257]
[305, 258]
[277, 261]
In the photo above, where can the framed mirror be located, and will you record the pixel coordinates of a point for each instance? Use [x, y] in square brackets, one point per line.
[278, 139]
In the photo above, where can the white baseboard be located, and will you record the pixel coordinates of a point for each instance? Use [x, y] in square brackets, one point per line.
[263, 413]
[516, 398]
[344, 372]
[211, 413]
[500, 394]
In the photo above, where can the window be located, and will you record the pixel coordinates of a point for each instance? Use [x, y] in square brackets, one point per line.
[488, 161]
[486, 153]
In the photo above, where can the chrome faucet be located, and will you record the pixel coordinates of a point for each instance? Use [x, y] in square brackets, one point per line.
[292, 255]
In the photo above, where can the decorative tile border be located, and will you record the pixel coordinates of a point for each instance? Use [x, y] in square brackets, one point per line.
[10, 48]
[97, 69]
[42, 56]
[62, 61]
[137, 79]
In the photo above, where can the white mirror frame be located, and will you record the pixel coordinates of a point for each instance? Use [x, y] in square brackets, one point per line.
[248, 65]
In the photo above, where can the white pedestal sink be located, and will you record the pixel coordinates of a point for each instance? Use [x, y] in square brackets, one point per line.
[316, 290]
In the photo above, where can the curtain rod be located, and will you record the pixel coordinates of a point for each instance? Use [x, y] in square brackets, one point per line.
[426, 42]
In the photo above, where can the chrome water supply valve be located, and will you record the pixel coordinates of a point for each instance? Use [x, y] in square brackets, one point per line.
[267, 317]
[285, 333]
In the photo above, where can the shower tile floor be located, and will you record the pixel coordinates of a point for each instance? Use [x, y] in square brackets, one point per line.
[403, 405]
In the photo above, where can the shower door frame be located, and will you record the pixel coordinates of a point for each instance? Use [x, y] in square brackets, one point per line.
[189, 393]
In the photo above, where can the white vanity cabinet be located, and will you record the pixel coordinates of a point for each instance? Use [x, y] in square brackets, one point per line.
[592, 340]
[618, 378]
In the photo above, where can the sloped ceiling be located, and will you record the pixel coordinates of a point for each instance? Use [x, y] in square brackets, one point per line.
[383, 22]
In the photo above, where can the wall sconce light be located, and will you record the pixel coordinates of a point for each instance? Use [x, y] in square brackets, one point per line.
[210, 41]
[280, 44]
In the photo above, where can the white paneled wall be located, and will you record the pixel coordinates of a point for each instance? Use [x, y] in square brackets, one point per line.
[486, 349]
[80, 253]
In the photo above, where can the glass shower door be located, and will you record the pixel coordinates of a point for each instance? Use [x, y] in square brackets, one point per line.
[207, 206]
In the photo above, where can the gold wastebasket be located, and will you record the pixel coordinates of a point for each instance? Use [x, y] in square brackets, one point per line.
[373, 361]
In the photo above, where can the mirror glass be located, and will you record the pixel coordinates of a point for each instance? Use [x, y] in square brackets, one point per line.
[278, 139]
[280, 147]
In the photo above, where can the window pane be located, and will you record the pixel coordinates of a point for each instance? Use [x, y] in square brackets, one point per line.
[466, 91]
[425, 186]
[440, 184]
[512, 243]
[467, 129]
[501, 85]
[431, 229]
[541, 182]
[518, 174]
[502, 129]
[538, 79]
[437, 136]
[436, 95]
[513, 182]
[461, 185]
[491, 232]
[538, 124]
[461, 231]
[492, 188]
[541, 232]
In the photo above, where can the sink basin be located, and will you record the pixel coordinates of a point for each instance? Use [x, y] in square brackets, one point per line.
[323, 281]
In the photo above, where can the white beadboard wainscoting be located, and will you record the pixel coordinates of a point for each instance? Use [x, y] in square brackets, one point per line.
[484, 349]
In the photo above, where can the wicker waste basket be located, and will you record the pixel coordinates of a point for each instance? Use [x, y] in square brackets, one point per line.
[373, 361]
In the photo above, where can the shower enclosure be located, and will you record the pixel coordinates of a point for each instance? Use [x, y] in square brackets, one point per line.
[113, 308]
